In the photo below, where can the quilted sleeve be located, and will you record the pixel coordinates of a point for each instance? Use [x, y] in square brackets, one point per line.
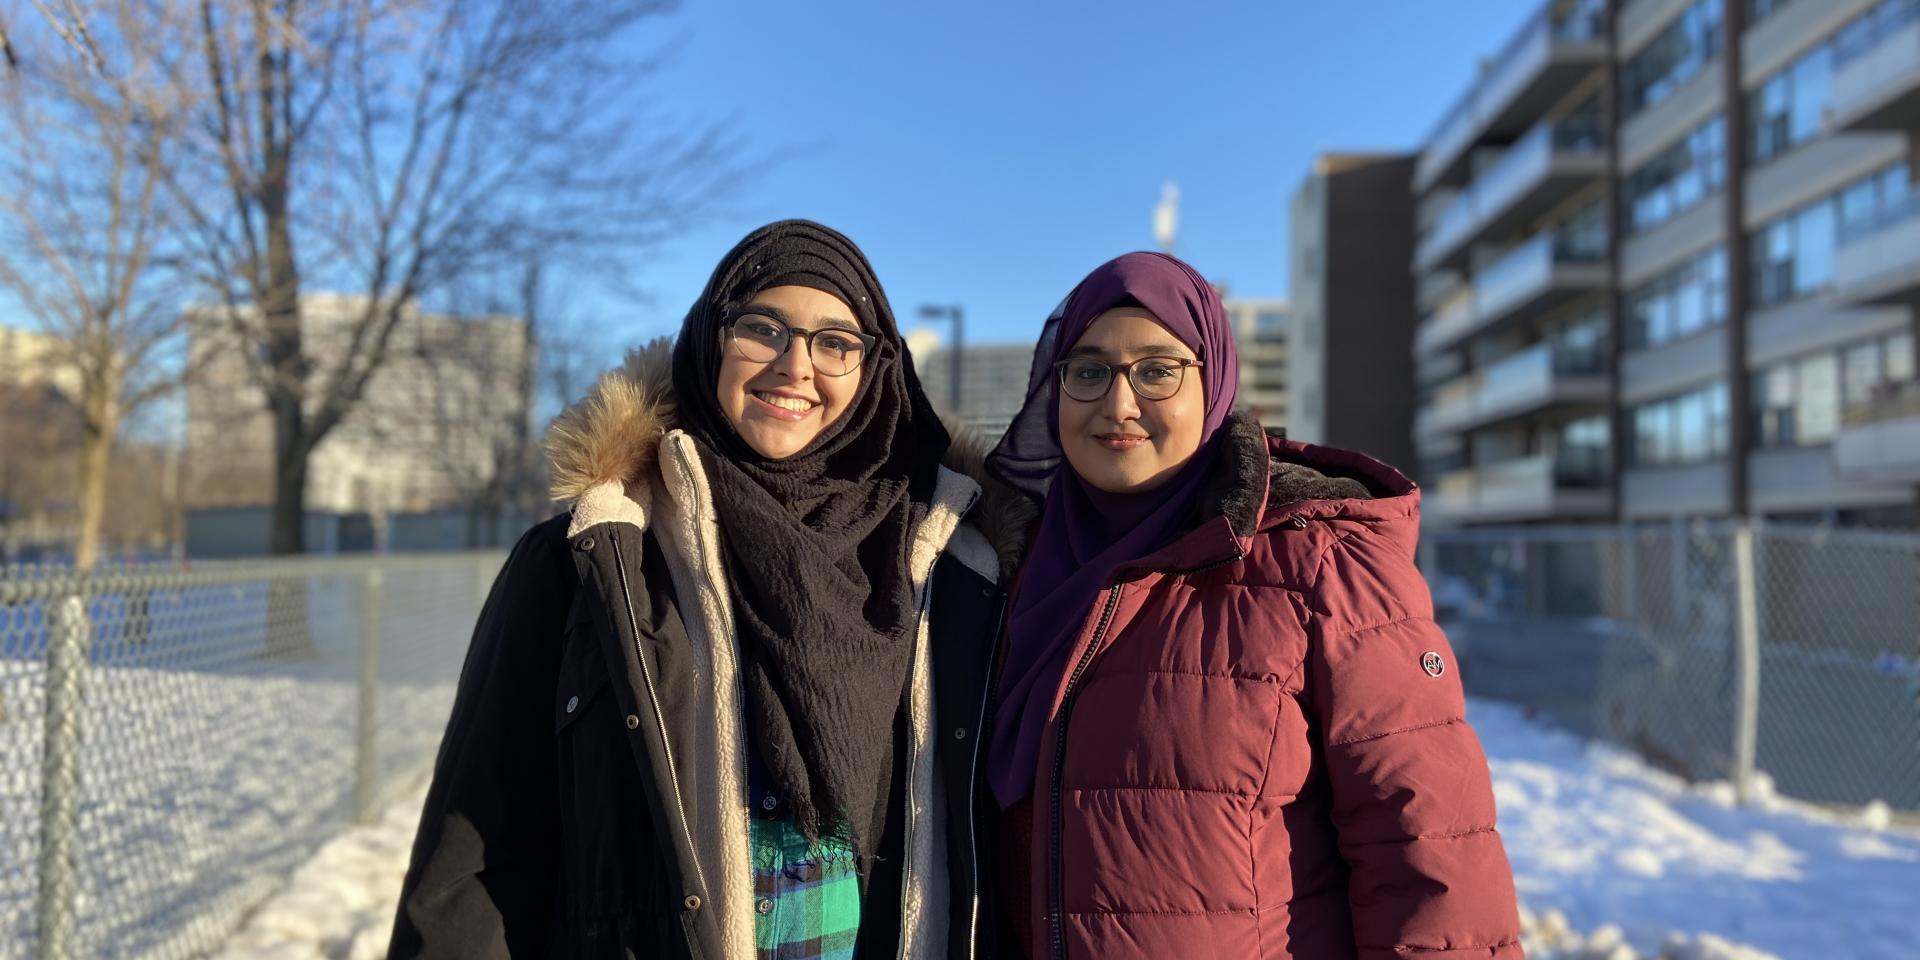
[1412, 795]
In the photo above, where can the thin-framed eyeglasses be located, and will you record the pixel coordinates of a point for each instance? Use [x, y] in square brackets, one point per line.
[1152, 378]
[834, 351]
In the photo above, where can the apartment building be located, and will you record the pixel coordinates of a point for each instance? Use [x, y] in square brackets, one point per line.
[1260, 334]
[1350, 369]
[1667, 265]
[437, 422]
[993, 379]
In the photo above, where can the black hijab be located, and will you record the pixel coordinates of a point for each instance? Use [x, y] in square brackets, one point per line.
[816, 544]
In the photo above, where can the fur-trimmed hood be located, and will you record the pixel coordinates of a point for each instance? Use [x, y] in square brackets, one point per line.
[614, 433]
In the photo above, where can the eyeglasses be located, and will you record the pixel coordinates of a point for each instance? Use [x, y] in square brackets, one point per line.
[835, 352]
[1152, 378]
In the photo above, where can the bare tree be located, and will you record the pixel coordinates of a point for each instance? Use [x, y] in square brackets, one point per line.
[389, 149]
[86, 233]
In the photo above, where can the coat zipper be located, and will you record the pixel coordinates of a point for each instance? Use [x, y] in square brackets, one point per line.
[1057, 886]
[1057, 889]
[659, 716]
[973, 776]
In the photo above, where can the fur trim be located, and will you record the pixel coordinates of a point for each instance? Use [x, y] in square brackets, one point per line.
[613, 434]
[1003, 515]
[1239, 483]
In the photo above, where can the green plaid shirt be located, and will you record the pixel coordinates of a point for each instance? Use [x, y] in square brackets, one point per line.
[806, 896]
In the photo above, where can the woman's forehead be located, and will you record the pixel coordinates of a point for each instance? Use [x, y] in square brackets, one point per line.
[1128, 331]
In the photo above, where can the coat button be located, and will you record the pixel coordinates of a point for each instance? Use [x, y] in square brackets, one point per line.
[769, 803]
[633, 722]
[959, 733]
[691, 903]
[586, 544]
[573, 703]
[764, 906]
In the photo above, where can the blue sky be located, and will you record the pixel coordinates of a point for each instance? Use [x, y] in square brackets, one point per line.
[991, 153]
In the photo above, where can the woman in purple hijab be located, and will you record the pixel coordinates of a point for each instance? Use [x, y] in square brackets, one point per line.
[1224, 723]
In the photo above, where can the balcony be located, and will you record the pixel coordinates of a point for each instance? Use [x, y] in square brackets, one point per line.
[1536, 174]
[1540, 65]
[1568, 485]
[1877, 86]
[1880, 441]
[1878, 262]
[1449, 324]
[1537, 276]
[1525, 282]
[1533, 380]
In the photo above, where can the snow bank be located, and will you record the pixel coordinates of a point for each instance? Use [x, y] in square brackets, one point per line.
[1654, 866]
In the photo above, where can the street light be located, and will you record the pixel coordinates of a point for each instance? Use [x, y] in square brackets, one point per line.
[951, 314]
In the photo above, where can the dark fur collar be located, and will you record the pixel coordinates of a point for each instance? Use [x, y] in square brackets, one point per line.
[1245, 470]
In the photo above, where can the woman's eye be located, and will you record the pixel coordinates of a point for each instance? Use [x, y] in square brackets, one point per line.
[1089, 373]
[1159, 371]
[837, 344]
[764, 329]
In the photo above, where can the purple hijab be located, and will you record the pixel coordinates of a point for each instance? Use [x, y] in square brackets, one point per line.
[1086, 534]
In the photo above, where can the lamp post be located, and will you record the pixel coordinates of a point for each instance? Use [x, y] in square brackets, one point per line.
[952, 315]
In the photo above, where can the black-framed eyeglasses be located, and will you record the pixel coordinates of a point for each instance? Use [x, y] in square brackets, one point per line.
[1152, 378]
[835, 351]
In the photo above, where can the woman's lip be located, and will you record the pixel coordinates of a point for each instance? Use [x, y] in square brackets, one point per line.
[782, 413]
[1119, 442]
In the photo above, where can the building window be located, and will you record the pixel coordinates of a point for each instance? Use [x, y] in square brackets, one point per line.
[1680, 51]
[1580, 451]
[1270, 325]
[1582, 236]
[1758, 10]
[1869, 204]
[1678, 179]
[1799, 402]
[1787, 109]
[1865, 31]
[1793, 254]
[1581, 20]
[1579, 343]
[1689, 428]
[1679, 304]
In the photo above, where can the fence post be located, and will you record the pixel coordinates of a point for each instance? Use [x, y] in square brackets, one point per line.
[366, 766]
[1746, 709]
[60, 774]
[1630, 576]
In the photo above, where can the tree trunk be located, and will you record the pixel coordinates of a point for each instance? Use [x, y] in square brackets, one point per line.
[96, 448]
[289, 481]
[287, 634]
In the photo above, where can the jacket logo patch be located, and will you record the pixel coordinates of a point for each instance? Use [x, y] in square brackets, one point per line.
[1432, 664]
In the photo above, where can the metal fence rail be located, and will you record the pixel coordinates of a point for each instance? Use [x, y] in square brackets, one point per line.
[173, 742]
[1720, 651]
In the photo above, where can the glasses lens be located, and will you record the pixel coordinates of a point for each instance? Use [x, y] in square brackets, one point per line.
[759, 338]
[1156, 378]
[1085, 379]
[836, 353]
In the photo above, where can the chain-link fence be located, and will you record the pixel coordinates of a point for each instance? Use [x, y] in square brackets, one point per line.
[173, 742]
[1716, 650]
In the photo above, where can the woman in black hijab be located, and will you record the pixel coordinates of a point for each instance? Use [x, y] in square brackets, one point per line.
[704, 708]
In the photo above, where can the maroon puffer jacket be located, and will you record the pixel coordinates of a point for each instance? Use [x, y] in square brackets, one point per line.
[1258, 748]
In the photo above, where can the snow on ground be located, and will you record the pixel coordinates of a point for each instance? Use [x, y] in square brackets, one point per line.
[199, 791]
[1614, 861]
[339, 906]
[1607, 842]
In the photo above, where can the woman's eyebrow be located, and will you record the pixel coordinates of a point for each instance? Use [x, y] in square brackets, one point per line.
[768, 309]
[1145, 350]
[838, 322]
